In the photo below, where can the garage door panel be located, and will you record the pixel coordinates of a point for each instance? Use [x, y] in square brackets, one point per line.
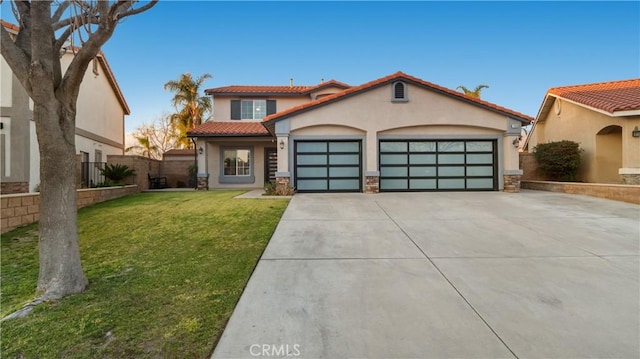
[423, 165]
[312, 159]
[451, 183]
[480, 158]
[394, 159]
[480, 171]
[344, 159]
[422, 146]
[450, 159]
[344, 171]
[312, 172]
[422, 159]
[423, 171]
[450, 146]
[479, 146]
[311, 147]
[394, 184]
[394, 171]
[312, 185]
[451, 171]
[344, 185]
[393, 147]
[344, 147]
[423, 184]
[479, 182]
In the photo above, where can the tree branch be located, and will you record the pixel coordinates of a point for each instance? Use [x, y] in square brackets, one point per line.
[16, 57]
[132, 11]
[60, 11]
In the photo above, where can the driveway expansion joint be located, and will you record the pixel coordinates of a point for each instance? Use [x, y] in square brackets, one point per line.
[449, 281]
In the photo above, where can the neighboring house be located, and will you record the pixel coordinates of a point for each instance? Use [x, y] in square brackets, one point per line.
[604, 119]
[396, 133]
[101, 108]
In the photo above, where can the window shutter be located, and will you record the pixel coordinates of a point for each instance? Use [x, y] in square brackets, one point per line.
[235, 109]
[271, 107]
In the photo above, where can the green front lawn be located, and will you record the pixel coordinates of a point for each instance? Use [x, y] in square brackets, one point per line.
[165, 271]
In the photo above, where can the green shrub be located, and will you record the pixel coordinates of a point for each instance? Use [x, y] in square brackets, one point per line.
[558, 161]
[117, 172]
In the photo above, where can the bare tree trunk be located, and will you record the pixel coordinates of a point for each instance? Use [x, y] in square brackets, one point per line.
[60, 267]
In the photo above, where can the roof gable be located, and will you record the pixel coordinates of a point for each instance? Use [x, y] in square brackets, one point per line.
[398, 76]
[101, 59]
[614, 97]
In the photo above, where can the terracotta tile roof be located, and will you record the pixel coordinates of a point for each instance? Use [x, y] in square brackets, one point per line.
[226, 129]
[394, 77]
[179, 152]
[272, 90]
[610, 96]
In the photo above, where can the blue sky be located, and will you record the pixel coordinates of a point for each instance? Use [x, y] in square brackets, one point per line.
[519, 49]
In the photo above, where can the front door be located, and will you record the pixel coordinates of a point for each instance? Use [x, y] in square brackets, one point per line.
[270, 165]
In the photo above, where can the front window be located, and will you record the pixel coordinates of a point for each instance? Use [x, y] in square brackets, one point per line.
[253, 109]
[237, 162]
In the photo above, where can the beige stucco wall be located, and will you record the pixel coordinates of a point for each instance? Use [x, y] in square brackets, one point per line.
[426, 114]
[98, 110]
[6, 76]
[209, 162]
[580, 124]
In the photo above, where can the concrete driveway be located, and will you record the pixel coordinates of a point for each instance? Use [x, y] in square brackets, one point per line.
[444, 275]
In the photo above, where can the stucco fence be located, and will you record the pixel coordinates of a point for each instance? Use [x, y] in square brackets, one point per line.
[22, 209]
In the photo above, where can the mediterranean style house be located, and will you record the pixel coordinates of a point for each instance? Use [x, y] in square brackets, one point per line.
[604, 118]
[396, 133]
[101, 108]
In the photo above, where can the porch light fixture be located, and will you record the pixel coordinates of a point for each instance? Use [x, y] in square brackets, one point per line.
[282, 143]
[635, 132]
[516, 142]
[200, 150]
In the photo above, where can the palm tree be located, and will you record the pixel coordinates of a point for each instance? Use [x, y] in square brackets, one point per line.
[190, 106]
[144, 145]
[473, 93]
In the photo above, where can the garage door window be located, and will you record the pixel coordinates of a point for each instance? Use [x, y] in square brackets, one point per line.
[422, 165]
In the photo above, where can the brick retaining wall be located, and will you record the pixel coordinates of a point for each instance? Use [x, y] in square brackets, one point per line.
[616, 192]
[22, 209]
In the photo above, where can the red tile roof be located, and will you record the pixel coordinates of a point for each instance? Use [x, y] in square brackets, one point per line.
[226, 129]
[610, 96]
[9, 25]
[387, 79]
[272, 90]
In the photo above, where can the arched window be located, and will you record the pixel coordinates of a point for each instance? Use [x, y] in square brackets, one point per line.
[399, 92]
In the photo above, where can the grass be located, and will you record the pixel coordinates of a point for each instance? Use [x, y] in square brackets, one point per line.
[165, 271]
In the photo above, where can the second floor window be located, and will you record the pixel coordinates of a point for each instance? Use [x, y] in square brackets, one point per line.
[253, 109]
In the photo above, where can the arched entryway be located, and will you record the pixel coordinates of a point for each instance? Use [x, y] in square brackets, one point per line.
[608, 154]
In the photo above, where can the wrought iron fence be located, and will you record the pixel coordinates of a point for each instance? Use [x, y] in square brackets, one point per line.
[92, 174]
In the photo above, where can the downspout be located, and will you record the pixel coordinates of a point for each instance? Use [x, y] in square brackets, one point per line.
[195, 157]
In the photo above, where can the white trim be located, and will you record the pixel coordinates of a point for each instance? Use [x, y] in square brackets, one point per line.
[629, 171]
[626, 113]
